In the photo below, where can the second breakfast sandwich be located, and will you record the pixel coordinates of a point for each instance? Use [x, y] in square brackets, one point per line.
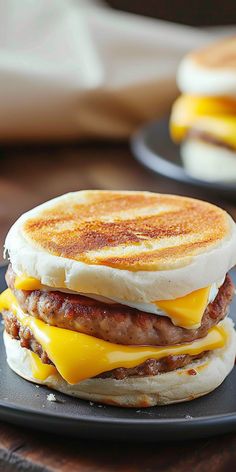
[203, 118]
[121, 297]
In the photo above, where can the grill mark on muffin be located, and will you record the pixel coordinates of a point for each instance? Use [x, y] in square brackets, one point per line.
[156, 260]
[87, 237]
[102, 206]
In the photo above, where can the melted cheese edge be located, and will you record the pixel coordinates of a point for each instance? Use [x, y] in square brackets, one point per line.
[218, 114]
[41, 371]
[78, 356]
[186, 311]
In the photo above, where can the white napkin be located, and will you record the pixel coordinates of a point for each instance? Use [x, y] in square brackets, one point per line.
[73, 69]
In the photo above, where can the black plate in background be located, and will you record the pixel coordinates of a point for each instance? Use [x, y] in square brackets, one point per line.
[154, 149]
[22, 403]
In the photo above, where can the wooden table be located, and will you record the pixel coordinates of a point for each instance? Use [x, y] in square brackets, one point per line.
[29, 176]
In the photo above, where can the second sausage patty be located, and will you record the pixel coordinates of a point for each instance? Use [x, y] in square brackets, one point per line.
[149, 367]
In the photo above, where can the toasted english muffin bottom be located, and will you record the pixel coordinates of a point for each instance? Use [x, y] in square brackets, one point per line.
[208, 161]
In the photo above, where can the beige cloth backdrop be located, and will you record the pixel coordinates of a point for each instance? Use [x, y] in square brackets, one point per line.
[74, 69]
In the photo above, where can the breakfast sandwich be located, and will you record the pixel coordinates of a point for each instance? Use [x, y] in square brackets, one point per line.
[121, 297]
[203, 118]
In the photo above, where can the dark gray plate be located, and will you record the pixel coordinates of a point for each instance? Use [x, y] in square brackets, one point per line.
[153, 148]
[23, 403]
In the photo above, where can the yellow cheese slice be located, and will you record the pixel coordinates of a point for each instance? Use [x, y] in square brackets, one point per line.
[24, 282]
[41, 371]
[186, 311]
[8, 301]
[78, 356]
[187, 109]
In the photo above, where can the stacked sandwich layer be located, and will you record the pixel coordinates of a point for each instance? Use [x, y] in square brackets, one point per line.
[203, 119]
[121, 297]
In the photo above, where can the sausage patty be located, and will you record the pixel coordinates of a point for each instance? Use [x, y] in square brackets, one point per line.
[114, 322]
[149, 367]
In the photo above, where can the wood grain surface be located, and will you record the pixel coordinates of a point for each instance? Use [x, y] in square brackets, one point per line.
[29, 176]
[22, 450]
